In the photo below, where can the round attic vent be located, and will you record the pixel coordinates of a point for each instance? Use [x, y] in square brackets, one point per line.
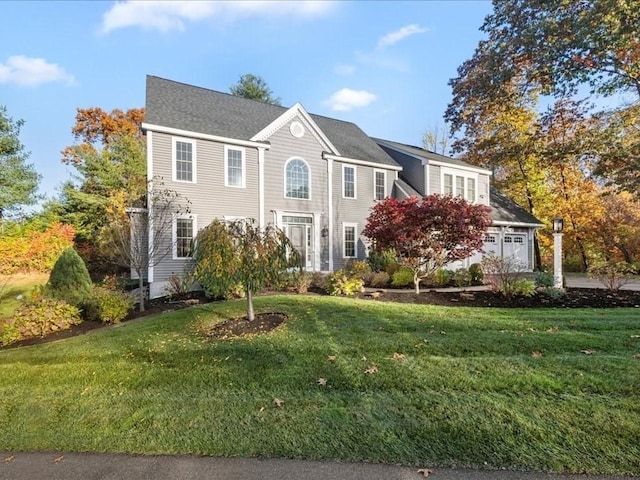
[297, 129]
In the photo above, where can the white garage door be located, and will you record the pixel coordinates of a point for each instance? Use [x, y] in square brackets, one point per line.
[515, 245]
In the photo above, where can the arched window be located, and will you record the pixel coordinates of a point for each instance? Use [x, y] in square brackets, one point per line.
[296, 173]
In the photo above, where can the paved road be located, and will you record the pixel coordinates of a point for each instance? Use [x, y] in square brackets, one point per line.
[59, 466]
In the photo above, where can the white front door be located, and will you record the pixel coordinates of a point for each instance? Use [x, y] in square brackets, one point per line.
[299, 229]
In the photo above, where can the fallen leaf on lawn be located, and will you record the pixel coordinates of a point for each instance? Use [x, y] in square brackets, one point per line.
[425, 472]
[262, 409]
[553, 329]
[58, 459]
[635, 336]
[637, 355]
[364, 359]
[443, 333]
[331, 358]
[277, 402]
[531, 329]
[9, 458]
[371, 370]
[536, 354]
[398, 356]
[322, 381]
[588, 352]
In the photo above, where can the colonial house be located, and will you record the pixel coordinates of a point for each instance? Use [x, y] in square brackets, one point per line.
[313, 176]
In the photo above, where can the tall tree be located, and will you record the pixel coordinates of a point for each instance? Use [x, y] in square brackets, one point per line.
[427, 233]
[253, 87]
[18, 179]
[436, 139]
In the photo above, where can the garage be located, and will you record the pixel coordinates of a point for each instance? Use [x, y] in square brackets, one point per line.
[515, 245]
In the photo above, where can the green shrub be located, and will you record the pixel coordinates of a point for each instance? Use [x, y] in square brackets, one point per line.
[475, 270]
[462, 277]
[301, 281]
[340, 283]
[379, 262]
[37, 318]
[392, 267]
[442, 277]
[544, 279]
[69, 279]
[612, 275]
[523, 287]
[359, 269]
[554, 293]
[504, 274]
[319, 281]
[402, 278]
[380, 280]
[108, 306]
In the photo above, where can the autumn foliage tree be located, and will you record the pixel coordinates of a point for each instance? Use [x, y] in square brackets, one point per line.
[427, 233]
[242, 253]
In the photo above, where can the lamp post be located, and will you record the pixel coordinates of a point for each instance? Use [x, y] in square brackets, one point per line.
[558, 225]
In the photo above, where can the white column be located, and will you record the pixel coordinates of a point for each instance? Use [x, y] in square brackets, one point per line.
[557, 260]
[330, 211]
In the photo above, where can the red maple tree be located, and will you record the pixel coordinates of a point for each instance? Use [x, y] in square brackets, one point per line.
[427, 233]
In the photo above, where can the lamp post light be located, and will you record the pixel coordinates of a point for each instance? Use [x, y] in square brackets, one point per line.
[558, 225]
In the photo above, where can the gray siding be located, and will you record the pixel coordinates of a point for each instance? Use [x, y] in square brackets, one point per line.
[483, 189]
[435, 183]
[208, 196]
[412, 169]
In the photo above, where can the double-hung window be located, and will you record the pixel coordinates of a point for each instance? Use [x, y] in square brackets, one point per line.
[460, 184]
[348, 181]
[379, 184]
[349, 241]
[183, 234]
[234, 166]
[184, 160]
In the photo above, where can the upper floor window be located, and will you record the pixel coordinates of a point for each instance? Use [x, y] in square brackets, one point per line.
[379, 184]
[234, 165]
[348, 181]
[296, 173]
[184, 159]
[461, 184]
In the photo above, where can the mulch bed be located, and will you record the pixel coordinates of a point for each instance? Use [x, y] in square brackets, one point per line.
[574, 298]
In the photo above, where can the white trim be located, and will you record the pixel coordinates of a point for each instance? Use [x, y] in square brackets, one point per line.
[149, 205]
[338, 158]
[174, 233]
[194, 157]
[403, 190]
[243, 182]
[330, 211]
[308, 178]
[346, 225]
[459, 174]
[503, 223]
[425, 160]
[261, 187]
[282, 120]
[203, 136]
[384, 172]
[355, 182]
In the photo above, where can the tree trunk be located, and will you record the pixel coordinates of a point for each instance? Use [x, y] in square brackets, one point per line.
[141, 291]
[416, 282]
[250, 315]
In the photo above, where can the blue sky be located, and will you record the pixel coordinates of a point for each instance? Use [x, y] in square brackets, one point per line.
[382, 65]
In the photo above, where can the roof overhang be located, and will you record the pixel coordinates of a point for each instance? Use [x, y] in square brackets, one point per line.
[503, 223]
[204, 136]
[355, 161]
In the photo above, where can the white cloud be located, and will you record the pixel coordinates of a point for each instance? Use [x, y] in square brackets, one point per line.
[394, 37]
[342, 69]
[31, 72]
[346, 99]
[165, 16]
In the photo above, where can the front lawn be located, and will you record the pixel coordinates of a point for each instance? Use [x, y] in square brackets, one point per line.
[355, 380]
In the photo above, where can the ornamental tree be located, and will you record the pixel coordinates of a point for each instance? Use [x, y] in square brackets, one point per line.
[242, 253]
[427, 233]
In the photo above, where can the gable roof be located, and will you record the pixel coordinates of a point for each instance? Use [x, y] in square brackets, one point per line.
[195, 109]
[504, 211]
[422, 154]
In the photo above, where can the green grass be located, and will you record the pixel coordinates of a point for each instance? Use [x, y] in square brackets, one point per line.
[467, 392]
[11, 286]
